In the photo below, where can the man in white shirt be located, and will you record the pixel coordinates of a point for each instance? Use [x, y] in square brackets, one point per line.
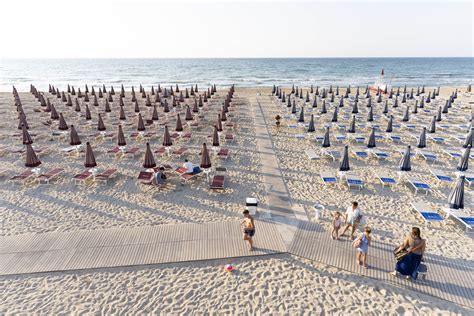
[352, 218]
[189, 166]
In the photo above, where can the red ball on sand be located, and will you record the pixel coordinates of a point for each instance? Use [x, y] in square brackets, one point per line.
[229, 267]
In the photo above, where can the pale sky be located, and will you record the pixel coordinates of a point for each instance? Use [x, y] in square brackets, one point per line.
[149, 29]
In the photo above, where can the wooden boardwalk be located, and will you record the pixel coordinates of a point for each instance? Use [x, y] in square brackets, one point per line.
[60, 251]
[448, 279]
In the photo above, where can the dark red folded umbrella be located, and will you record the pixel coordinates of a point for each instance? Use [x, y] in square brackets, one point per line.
[205, 159]
[62, 123]
[74, 137]
[154, 116]
[121, 137]
[215, 138]
[90, 159]
[189, 116]
[31, 158]
[100, 124]
[149, 159]
[140, 125]
[54, 114]
[122, 114]
[179, 125]
[26, 136]
[167, 138]
[88, 113]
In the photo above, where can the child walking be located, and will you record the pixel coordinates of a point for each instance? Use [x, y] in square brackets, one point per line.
[362, 244]
[336, 224]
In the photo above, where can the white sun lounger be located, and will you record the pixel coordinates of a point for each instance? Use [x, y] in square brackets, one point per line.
[385, 178]
[441, 176]
[334, 154]
[354, 180]
[427, 155]
[340, 138]
[453, 153]
[437, 139]
[419, 185]
[358, 138]
[328, 178]
[426, 212]
[379, 154]
[311, 154]
[467, 220]
[360, 153]
[300, 136]
[395, 138]
[469, 179]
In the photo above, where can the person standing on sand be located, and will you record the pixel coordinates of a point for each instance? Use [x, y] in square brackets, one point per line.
[249, 228]
[352, 218]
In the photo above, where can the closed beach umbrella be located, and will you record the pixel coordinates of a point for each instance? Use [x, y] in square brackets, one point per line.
[432, 128]
[468, 141]
[74, 139]
[62, 123]
[456, 196]
[352, 125]
[205, 159]
[406, 116]
[167, 138]
[371, 142]
[334, 114]
[323, 107]
[422, 139]
[438, 116]
[389, 128]
[179, 125]
[78, 107]
[223, 115]
[445, 108]
[355, 109]
[189, 116]
[107, 106]
[31, 158]
[315, 103]
[88, 113]
[154, 115]
[288, 104]
[345, 160]
[326, 142]
[166, 107]
[26, 136]
[219, 123]
[311, 128]
[23, 121]
[100, 124]
[395, 104]
[90, 158]
[137, 108]
[48, 106]
[149, 161]
[370, 115]
[122, 114]
[140, 124]
[405, 163]
[415, 108]
[121, 137]
[195, 107]
[54, 114]
[301, 118]
[293, 108]
[463, 164]
[341, 102]
[215, 137]
[385, 107]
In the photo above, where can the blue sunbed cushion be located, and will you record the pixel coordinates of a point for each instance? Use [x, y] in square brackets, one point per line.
[430, 216]
[455, 154]
[361, 153]
[438, 139]
[380, 154]
[420, 185]
[430, 156]
[329, 179]
[444, 178]
[467, 220]
[470, 179]
[388, 180]
[355, 181]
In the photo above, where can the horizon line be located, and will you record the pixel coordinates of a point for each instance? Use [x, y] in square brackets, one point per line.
[270, 57]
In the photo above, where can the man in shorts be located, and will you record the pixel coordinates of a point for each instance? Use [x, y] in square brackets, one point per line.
[249, 228]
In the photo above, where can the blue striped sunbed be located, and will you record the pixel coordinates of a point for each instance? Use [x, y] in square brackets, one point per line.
[419, 185]
[354, 181]
[385, 179]
[360, 153]
[427, 212]
[328, 178]
[441, 176]
[396, 138]
[380, 154]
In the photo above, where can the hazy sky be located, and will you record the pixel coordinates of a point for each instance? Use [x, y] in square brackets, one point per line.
[105, 28]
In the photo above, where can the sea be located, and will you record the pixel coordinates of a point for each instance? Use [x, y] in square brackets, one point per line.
[244, 72]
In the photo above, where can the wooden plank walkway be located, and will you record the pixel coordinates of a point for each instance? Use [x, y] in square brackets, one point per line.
[448, 279]
[61, 251]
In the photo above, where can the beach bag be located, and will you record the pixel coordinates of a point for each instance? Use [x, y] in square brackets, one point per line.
[400, 254]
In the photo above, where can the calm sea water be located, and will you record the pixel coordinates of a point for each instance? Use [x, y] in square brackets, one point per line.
[241, 72]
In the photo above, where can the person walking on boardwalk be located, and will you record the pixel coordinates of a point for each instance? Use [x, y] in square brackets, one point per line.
[249, 228]
[410, 254]
[362, 244]
[352, 218]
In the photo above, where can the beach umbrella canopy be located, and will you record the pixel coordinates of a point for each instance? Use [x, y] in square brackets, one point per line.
[406, 116]
[371, 142]
[149, 161]
[445, 107]
[301, 118]
[121, 137]
[122, 114]
[195, 107]
[31, 158]
[438, 116]
[100, 124]
[205, 159]
[293, 108]
[215, 138]
[456, 196]
[22, 122]
[405, 162]
[189, 115]
[315, 103]
[26, 136]
[140, 124]
[468, 141]
[90, 158]
[288, 104]
[74, 139]
[389, 128]
[48, 106]
[311, 128]
[167, 138]
[219, 123]
[370, 115]
[341, 102]
[77, 107]
[88, 113]
[334, 114]
[323, 107]
[326, 142]
[355, 108]
[107, 106]
[137, 108]
[154, 116]
[385, 107]
[54, 114]
[463, 163]
[62, 123]
[352, 125]
[344, 166]
[422, 139]
[166, 107]
[179, 125]
[432, 128]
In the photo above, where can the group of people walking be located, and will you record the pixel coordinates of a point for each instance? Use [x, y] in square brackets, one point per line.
[408, 255]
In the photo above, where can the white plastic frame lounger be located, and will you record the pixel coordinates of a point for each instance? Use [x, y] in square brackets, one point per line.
[427, 155]
[469, 179]
[441, 176]
[354, 180]
[395, 138]
[334, 154]
[419, 185]
[328, 178]
[311, 154]
[426, 212]
[379, 154]
[467, 220]
[360, 153]
[385, 178]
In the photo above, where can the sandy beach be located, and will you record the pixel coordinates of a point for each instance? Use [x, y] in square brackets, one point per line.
[277, 283]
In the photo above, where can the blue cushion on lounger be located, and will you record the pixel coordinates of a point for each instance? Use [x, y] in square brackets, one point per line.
[467, 220]
[420, 185]
[431, 216]
[388, 180]
[355, 181]
[329, 179]
[444, 178]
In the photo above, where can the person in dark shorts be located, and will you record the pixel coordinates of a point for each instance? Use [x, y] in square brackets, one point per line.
[248, 225]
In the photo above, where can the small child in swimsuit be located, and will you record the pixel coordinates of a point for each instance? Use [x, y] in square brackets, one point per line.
[336, 224]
